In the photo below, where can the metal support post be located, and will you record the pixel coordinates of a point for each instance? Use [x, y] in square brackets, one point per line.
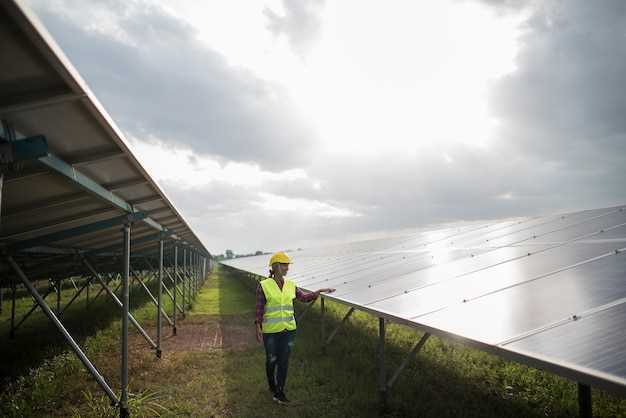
[175, 287]
[411, 354]
[195, 273]
[159, 299]
[187, 260]
[382, 378]
[584, 401]
[185, 279]
[336, 330]
[124, 412]
[108, 290]
[167, 274]
[192, 265]
[68, 338]
[13, 295]
[182, 282]
[57, 287]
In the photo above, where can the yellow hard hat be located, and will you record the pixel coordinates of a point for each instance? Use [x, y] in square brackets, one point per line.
[280, 257]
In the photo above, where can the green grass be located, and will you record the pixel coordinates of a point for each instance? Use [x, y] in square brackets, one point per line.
[222, 297]
[444, 380]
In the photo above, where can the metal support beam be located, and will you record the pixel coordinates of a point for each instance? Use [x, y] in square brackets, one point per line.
[382, 376]
[68, 338]
[124, 412]
[79, 230]
[159, 300]
[336, 330]
[584, 401]
[175, 288]
[47, 204]
[49, 99]
[61, 167]
[418, 346]
[113, 296]
[99, 157]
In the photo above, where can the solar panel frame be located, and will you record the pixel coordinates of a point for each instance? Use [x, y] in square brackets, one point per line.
[564, 249]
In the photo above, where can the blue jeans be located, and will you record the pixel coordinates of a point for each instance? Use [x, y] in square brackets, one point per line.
[278, 345]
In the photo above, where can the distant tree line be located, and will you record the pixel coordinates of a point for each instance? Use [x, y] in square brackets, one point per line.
[230, 254]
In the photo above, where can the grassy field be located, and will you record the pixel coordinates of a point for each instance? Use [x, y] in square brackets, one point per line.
[215, 368]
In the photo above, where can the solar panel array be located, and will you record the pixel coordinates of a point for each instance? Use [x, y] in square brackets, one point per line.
[76, 202]
[89, 176]
[549, 291]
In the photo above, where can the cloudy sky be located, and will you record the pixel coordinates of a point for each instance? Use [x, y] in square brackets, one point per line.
[283, 124]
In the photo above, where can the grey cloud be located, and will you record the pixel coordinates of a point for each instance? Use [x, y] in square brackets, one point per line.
[301, 23]
[561, 144]
[182, 91]
[565, 102]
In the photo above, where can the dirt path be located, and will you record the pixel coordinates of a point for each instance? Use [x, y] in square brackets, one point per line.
[199, 333]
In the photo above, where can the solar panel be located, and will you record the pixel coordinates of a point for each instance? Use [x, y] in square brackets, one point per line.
[548, 291]
[74, 196]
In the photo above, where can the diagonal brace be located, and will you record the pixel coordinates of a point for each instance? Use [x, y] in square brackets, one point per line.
[174, 288]
[68, 338]
[77, 294]
[30, 312]
[336, 330]
[152, 298]
[118, 302]
[167, 290]
[406, 360]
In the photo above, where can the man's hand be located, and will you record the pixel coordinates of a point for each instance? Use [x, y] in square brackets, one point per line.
[326, 290]
[259, 334]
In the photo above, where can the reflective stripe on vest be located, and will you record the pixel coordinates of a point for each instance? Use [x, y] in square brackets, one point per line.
[278, 313]
[279, 308]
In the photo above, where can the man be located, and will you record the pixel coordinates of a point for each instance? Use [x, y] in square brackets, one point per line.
[275, 321]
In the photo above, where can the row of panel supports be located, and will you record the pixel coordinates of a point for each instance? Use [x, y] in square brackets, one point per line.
[184, 280]
[385, 385]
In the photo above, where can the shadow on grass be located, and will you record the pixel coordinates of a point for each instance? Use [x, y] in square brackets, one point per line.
[342, 382]
[38, 340]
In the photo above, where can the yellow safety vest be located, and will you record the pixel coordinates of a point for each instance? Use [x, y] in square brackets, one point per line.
[278, 315]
